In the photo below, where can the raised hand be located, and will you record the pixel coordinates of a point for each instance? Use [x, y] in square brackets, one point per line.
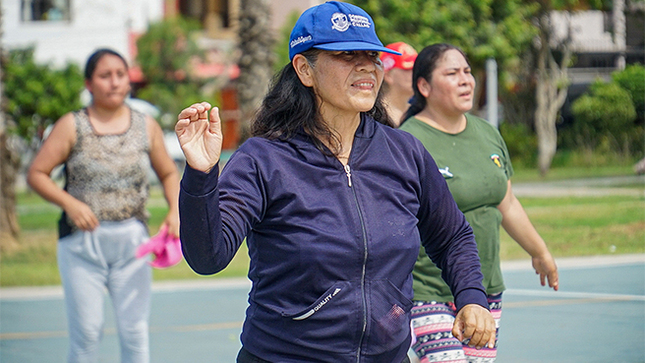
[200, 136]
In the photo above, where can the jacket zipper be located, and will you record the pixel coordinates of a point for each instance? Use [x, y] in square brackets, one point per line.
[348, 171]
[360, 217]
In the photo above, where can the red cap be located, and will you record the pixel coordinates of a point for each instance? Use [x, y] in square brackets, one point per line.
[404, 61]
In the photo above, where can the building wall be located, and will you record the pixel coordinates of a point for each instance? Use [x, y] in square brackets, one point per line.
[589, 31]
[93, 24]
[282, 9]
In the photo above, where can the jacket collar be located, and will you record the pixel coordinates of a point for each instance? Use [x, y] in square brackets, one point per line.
[365, 131]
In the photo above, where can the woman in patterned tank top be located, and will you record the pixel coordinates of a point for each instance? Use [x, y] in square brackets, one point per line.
[107, 149]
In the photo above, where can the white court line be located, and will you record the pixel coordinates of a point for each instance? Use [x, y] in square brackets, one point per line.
[573, 294]
[578, 262]
[56, 292]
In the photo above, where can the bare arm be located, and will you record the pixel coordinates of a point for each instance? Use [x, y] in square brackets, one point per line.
[54, 151]
[167, 173]
[519, 227]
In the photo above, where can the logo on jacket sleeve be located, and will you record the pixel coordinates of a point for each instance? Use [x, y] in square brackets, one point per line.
[497, 160]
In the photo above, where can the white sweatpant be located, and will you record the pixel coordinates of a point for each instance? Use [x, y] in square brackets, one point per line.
[91, 262]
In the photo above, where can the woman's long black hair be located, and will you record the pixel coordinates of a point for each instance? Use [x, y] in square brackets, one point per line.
[290, 107]
[424, 65]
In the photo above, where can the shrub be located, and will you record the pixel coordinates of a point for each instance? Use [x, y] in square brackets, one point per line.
[606, 110]
[165, 50]
[37, 94]
[632, 79]
[165, 53]
[521, 143]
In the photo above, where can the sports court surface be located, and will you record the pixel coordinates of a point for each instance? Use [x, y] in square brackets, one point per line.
[597, 316]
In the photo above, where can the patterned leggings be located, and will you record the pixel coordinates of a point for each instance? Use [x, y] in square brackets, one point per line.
[432, 325]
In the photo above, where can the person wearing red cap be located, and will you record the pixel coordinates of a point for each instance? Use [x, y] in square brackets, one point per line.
[397, 80]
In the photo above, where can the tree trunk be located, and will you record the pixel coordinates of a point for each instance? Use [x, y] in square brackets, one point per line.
[550, 92]
[9, 164]
[256, 59]
[620, 34]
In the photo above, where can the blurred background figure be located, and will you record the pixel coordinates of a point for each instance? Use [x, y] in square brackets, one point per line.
[106, 149]
[397, 81]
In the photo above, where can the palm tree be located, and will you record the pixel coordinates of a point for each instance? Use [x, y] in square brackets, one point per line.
[9, 163]
[256, 60]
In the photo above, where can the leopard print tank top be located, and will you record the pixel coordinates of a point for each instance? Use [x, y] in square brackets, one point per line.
[109, 173]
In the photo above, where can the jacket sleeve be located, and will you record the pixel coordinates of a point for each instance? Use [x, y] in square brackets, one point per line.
[217, 212]
[448, 238]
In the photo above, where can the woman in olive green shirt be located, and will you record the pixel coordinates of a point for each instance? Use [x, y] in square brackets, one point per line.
[474, 161]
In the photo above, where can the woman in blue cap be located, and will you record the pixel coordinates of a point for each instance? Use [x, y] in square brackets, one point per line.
[332, 202]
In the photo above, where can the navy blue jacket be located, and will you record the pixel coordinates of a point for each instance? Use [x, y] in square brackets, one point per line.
[331, 247]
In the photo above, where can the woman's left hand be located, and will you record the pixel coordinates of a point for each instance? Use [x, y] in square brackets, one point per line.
[544, 266]
[172, 221]
[476, 323]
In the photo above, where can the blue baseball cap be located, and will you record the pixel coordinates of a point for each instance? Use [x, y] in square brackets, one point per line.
[335, 26]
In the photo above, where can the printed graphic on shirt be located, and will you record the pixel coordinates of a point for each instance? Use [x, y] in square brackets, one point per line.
[497, 160]
[445, 172]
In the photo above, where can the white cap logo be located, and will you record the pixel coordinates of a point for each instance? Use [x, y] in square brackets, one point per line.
[339, 22]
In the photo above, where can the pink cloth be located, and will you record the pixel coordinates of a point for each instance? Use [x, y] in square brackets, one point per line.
[165, 247]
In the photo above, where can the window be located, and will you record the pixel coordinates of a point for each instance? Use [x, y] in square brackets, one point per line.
[45, 10]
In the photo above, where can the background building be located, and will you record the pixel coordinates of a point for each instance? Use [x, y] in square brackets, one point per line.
[69, 30]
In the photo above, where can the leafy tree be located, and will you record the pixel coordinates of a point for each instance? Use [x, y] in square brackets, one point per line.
[483, 29]
[165, 50]
[282, 43]
[606, 108]
[34, 97]
[632, 79]
[517, 33]
[37, 95]
[552, 59]
[256, 59]
[165, 54]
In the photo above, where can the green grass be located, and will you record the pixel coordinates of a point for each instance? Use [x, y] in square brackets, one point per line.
[34, 262]
[583, 226]
[571, 226]
[532, 175]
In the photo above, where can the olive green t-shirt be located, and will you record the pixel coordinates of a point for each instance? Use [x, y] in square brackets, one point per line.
[476, 166]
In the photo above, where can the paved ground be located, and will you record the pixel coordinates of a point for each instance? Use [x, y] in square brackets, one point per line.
[597, 316]
[633, 185]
